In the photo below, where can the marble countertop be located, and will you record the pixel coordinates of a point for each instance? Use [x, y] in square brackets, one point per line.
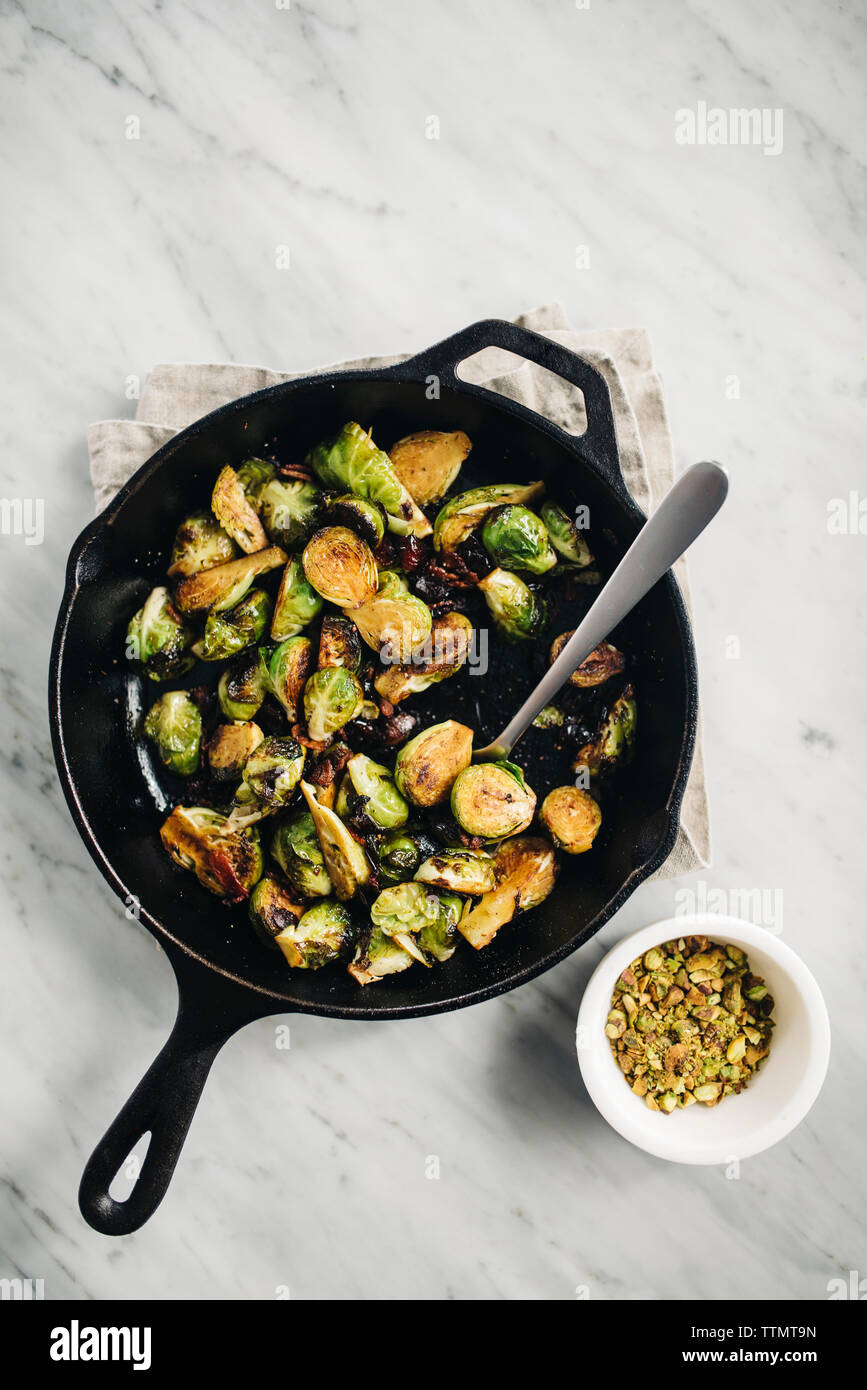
[556, 174]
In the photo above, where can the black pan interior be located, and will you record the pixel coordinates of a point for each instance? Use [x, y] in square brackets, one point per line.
[120, 804]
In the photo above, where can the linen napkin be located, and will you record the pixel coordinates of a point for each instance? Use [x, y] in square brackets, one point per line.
[175, 394]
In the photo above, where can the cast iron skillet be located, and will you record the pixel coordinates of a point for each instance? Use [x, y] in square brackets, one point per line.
[225, 978]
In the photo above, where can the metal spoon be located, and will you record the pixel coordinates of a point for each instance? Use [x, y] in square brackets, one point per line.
[681, 516]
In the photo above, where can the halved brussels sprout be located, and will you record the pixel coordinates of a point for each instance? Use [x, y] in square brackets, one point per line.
[566, 539]
[394, 621]
[427, 766]
[398, 856]
[384, 806]
[572, 818]
[549, 718]
[253, 475]
[517, 538]
[158, 638]
[242, 687]
[228, 633]
[272, 910]
[462, 514]
[223, 585]
[288, 669]
[351, 461]
[427, 463]
[492, 800]
[228, 862]
[615, 741]
[345, 859]
[290, 511]
[602, 663]
[339, 644]
[526, 869]
[174, 726]
[340, 566]
[458, 870]
[332, 697]
[440, 938]
[297, 602]
[403, 910]
[236, 513]
[229, 747]
[296, 848]
[273, 771]
[323, 934]
[200, 544]
[366, 519]
[518, 613]
[376, 956]
[440, 656]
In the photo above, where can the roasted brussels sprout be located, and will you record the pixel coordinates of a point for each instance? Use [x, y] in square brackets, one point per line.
[242, 687]
[403, 910]
[427, 463]
[297, 602]
[339, 643]
[459, 871]
[462, 514]
[272, 910]
[398, 856]
[393, 622]
[200, 544]
[516, 538]
[376, 956]
[526, 869]
[375, 793]
[614, 743]
[441, 655]
[222, 586]
[427, 766]
[273, 771]
[323, 934]
[518, 613]
[345, 859]
[236, 513]
[366, 519]
[602, 663]
[440, 938]
[228, 862]
[253, 475]
[296, 848]
[288, 669]
[228, 633]
[290, 511]
[572, 818]
[352, 461]
[492, 800]
[566, 539]
[174, 726]
[158, 638]
[332, 697]
[229, 747]
[549, 718]
[340, 566]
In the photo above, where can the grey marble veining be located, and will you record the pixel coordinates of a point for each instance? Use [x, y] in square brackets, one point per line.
[306, 127]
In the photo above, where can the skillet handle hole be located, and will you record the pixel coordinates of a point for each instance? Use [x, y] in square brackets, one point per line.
[127, 1175]
[494, 368]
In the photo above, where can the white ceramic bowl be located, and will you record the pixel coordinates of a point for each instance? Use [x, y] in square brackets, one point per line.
[779, 1095]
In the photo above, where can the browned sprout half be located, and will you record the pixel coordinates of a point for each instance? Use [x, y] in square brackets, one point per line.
[526, 870]
[339, 643]
[340, 566]
[228, 862]
[440, 656]
[393, 622]
[614, 742]
[427, 766]
[229, 747]
[345, 861]
[602, 663]
[428, 462]
[200, 543]
[462, 514]
[572, 818]
[225, 585]
[493, 800]
[236, 513]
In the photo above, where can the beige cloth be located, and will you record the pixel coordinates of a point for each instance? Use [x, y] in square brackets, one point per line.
[176, 394]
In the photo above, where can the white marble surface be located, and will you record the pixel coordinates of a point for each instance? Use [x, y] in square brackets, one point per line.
[305, 127]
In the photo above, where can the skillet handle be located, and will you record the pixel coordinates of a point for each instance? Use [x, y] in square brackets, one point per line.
[598, 443]
[165, 1100]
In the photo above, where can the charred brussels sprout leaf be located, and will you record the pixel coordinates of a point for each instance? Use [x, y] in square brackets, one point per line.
[200, 544]
[603, 662]
[492, 800]
[462, 514]
[272, 910]
[458, 871]
[340, 566]
[296, 848]
[352, 462]
[332, 697]
[366, 519]
[229, 747]
[288, 669]
[572, 818]
[242, 687]
[615, 740]
[398, 856]
[290, 511]
[516, 538]
[427, 766]
[158, 638]
[439, 939]
[227, 861]
[427, 463]
[441, 655]
[339, 644]
[297, 602]
[323, 934]
[373, 785]
[345, 859]
[376, 956]
[223, 586]
[174, 726]
[273, 771]
[393, 622]
[236, 513]
[565, 536]
[526, 869]
[228, 633]
[518, 613]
